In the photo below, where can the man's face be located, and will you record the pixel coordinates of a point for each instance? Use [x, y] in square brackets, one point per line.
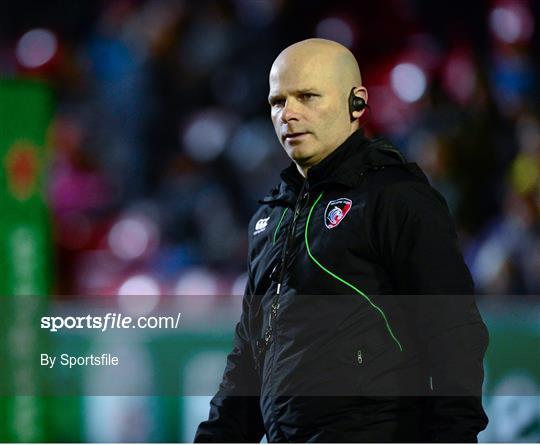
[309, 108]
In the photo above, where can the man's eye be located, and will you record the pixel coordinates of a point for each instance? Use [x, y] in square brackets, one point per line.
[307, 96]
[277, 103]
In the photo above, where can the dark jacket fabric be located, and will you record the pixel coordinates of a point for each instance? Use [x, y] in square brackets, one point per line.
[359, 322]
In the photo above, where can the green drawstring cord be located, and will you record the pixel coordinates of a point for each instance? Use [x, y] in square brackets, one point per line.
[341, 279]
[279, 224]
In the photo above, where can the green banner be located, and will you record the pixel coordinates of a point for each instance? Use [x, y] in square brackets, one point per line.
[25, 251]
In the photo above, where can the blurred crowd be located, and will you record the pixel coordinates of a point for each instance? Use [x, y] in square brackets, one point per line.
[161, 142]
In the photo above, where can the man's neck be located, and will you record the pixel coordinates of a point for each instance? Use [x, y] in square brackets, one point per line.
[302, 171]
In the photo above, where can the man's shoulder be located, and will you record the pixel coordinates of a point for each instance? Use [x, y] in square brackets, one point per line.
[385, 176]
[409, 200]
[403, 186]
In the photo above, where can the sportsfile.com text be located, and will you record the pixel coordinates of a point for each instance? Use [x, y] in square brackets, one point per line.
[109, 321]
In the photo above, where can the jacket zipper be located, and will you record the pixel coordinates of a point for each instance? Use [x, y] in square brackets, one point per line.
[302, 199]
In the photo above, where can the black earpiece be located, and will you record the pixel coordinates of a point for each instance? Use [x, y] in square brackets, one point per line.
[355, 104]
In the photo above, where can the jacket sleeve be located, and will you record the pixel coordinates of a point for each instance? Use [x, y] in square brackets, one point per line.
[419, 246]
[235, 414]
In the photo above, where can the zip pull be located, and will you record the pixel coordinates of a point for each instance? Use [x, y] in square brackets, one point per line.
[273, 309]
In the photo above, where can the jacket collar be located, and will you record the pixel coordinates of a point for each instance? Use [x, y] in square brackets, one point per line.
[332, 168]
[344, 166]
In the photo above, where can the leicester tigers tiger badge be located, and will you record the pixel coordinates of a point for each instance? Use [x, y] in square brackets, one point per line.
[335, 211]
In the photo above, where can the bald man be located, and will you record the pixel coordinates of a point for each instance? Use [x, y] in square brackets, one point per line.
[359, 322]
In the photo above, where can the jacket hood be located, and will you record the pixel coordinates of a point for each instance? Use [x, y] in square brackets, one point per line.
[345, 165]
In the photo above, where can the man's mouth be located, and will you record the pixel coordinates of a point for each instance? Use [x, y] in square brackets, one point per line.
[292, 136]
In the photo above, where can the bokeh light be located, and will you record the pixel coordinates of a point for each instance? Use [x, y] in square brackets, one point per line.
[459, 76]
[511, 22]
[207, 133]
[140, 285]
[408, 82]
[132, 236]
[252, 144]
[36, 47]
[197, 281]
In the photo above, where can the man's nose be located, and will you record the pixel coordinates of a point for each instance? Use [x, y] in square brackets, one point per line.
[289, 112]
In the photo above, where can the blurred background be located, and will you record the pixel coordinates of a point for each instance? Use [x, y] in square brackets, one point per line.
[135, 140]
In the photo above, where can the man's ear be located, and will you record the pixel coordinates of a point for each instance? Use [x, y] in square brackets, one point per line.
[361, 92]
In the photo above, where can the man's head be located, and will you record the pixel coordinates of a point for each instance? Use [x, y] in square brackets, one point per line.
[310, 83]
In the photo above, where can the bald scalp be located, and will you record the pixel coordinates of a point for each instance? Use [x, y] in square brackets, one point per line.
[324, 58]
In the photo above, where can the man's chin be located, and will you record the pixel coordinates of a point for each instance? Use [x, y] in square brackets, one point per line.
[299, 153]
[301, 159]
[305, 154]
[304, 162]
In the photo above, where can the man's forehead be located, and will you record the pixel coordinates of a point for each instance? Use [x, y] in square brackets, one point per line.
[300, 85]
[300, 76]
[290, 65]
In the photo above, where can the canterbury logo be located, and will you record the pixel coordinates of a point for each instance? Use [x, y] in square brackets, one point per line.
[260, 226]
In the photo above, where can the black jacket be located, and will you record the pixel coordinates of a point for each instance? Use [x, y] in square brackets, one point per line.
[358, 320]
